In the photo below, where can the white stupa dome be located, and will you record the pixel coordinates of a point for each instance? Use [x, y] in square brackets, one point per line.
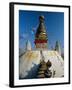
[31, 59]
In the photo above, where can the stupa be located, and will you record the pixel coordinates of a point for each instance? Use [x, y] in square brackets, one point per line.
[41, 63]
[57, 47]
[41, 36]
[28, 45]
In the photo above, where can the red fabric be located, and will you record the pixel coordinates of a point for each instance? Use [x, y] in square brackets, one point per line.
[40, 41]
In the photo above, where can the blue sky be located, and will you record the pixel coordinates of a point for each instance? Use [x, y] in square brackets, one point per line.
[29, 21]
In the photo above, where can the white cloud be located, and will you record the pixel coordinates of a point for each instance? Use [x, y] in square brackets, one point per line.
[24, 35]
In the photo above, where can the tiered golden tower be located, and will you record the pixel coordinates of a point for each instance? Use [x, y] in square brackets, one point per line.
[41, 36]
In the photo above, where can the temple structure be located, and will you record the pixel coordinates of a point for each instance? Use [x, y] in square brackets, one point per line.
[57, 47]
[41, 36]
[41, 63]
[28, 45]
